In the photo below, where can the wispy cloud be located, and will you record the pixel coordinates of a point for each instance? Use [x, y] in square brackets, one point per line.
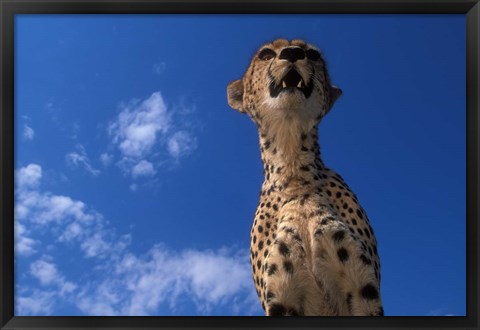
[181, 144]
[47, 274]
[80, 159]
[439, 312]
[28, 133]
[35, 301]
[71, 219]
[39, 302]
[143, 168]
[159, 67]
[161, 278]
[24, 245]
[136, 128]
[144, 132]
[157, 282]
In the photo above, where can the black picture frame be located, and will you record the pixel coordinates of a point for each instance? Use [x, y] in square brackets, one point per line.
[10, 8]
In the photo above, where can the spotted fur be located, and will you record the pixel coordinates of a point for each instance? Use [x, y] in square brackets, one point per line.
[313, 250]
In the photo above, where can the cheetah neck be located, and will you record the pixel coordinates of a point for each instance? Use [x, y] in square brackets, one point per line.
[291, 159]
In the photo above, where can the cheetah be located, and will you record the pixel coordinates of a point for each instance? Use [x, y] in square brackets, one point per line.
[313, 251]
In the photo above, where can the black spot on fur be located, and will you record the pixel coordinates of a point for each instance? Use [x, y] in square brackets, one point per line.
[369, 292]
[365, 259]
[260, 229]
[367, 232]
[342, 254]
[260, 245]
[359, 213]
[272, 270]
[339, 236]
[288, 266]
[283, 248]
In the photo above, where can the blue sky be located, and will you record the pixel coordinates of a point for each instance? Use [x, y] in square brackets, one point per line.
[137, 184]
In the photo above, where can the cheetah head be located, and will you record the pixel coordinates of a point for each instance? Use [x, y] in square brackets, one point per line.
[285, 82]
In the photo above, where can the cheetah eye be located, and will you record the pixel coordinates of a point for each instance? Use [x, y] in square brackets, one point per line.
[266, 54]
[313, 55]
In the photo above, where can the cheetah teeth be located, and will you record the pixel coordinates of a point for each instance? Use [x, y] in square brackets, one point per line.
[300, 84]
[284, 84]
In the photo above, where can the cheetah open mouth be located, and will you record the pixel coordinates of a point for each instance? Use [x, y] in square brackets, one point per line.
[290, 83]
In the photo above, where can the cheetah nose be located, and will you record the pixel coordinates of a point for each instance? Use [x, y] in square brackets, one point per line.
[292, 54]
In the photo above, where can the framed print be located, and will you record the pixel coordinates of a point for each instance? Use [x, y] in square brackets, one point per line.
[221, 165]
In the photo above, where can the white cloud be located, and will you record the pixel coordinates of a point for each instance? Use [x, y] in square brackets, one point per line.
[38, 303]
[44, 208]
[157, 282]
[28, 132]
[142, 129]
[142, 285]
[62, 213]
[136, 128]
[43, 302]
[28, 176]
[80, 158]
[143, 168]
[45, 272]
[181, 144]
[95, 245]
[23, 245]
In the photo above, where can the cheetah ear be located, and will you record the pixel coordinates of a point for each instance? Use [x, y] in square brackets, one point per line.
[235, 95]
[335, 93]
